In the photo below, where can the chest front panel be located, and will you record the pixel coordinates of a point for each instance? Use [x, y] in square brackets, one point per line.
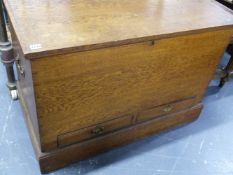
[80, 90]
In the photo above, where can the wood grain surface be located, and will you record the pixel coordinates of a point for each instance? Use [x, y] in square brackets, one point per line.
[87, 133]
[165, 109]
[99, 61]
[71, 154]
[78, 90]
[25, 82]
[55, 26]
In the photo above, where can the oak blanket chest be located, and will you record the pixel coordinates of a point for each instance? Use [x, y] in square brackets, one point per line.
[97, 74]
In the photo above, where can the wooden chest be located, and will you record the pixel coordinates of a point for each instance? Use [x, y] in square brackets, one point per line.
[94, 74]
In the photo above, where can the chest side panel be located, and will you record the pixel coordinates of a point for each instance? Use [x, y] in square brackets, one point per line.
[25, 86]
[78, 90]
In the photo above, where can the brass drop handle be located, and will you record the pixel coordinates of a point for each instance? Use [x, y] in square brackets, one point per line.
[98, 130]
[168, 108]
[18, 65]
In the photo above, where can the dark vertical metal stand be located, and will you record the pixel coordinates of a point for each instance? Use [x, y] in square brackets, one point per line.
[226, 3]
[229, 67]
[7, 54]
[227, 71]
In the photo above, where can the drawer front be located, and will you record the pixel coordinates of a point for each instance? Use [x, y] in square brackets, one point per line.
[165, 109]
[94, 131]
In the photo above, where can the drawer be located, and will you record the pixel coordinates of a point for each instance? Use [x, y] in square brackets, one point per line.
[94, 131]
[165, 109]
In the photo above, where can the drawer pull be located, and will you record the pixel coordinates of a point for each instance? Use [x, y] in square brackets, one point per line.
[94, 131]
[18, 65]
[98, 131]
[20, 68]
[168, 108]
